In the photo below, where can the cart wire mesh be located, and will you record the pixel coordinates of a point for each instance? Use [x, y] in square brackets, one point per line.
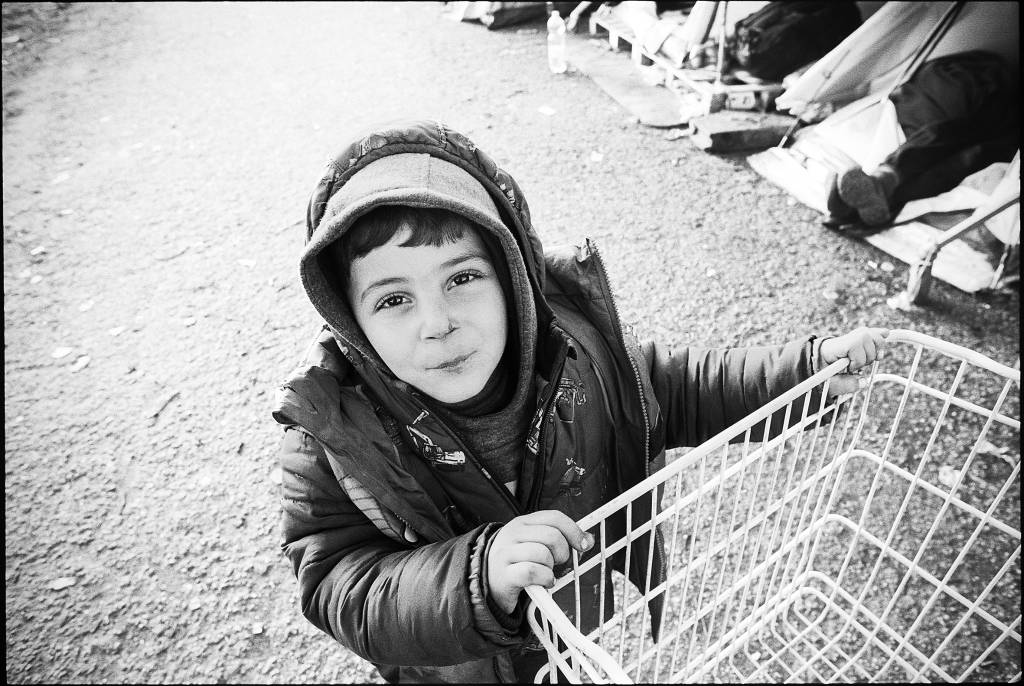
[875, 539]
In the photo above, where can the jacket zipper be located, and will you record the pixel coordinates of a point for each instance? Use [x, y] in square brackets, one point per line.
[606, 283]
[617, 322]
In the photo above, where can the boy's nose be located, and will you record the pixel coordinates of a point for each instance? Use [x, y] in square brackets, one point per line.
[437, 320]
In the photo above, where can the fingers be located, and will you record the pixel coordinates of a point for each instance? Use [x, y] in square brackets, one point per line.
[570, 531]
[523, 574]
[550, 538]
[525, 552]
[860, 352]
[843, 384]
[867, 346]
[861, 347]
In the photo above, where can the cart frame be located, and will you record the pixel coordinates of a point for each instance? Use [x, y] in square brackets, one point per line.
[778, 616]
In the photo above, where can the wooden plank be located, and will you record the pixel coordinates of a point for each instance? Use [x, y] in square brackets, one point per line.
[728, 131]
[653, 105]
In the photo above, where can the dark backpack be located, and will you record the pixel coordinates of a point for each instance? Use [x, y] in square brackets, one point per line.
[784, 36]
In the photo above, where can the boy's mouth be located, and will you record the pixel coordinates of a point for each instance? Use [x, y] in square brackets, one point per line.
[453, 363]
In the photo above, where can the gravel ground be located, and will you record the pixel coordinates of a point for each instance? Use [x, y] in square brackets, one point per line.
[157, 159]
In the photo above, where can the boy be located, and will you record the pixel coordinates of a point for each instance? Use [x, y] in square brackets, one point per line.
[468, 399]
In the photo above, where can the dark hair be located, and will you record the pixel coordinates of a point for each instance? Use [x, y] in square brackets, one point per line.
[428, 225]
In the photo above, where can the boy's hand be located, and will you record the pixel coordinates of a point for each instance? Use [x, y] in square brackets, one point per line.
[862, 346]
[525, 550]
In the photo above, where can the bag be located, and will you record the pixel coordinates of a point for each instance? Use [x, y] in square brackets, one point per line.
[784, 36]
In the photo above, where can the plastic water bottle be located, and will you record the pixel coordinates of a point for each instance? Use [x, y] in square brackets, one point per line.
[556, 44]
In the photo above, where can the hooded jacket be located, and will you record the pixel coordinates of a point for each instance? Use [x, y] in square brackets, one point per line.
[387, 515]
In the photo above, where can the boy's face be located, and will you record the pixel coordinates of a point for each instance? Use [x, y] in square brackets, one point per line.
[435, 315]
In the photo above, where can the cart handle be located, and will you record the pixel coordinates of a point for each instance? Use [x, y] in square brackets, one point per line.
[953, 350]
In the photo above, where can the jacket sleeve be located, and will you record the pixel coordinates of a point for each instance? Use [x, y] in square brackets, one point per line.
[387, 602]
[702, 391]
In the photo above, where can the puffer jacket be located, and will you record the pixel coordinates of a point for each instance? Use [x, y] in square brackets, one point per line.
[388, 540]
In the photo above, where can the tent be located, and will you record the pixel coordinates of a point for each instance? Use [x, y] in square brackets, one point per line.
[856, 77]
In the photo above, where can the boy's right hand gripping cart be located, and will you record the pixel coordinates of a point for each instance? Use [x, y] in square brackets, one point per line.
[879, 542]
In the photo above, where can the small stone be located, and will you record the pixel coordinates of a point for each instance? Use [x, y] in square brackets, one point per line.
[872, 264]
[35, 279]
[62, 351]
[38, 250]
[8, 40]
[948, 476]
[990, 448]
[116, 331]
[62, 583]
[710, 272]
[546, 110]
[81, 363]
[190, 321]
[596, 156]
[886, 267]
[830, 294]
[86, 306]
[276, 476]
[66, 213]
[256, 629]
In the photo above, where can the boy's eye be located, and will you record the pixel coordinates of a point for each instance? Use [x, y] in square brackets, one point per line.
[389, 301]
[463, 278]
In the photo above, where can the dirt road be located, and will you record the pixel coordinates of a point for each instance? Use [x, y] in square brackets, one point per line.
[156, 167]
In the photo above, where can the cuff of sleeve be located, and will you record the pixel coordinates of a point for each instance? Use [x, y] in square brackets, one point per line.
[493, 623]
[817, 364]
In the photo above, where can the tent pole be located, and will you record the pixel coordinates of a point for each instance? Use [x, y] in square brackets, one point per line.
[920, 275]
[721, 43]
[928, 45]
[826, 76]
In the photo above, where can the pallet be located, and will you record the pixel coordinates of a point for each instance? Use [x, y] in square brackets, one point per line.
[702, 84]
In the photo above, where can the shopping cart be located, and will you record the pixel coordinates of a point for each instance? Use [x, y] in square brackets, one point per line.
[876, 539]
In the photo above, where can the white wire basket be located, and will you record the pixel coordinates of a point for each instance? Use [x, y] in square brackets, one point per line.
[877, 539]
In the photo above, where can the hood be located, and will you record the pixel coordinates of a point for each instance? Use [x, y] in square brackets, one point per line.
[420, 164]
